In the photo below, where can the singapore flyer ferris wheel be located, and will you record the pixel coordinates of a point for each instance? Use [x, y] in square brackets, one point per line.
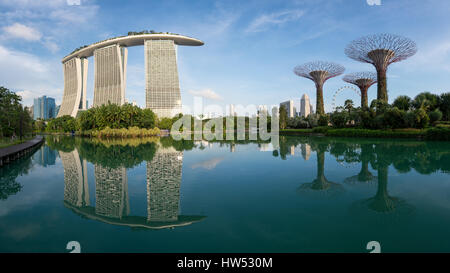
[333, 104]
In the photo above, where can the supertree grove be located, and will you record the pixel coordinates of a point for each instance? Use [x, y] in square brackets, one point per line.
[363, 80]
[381, 50]
[319, 72]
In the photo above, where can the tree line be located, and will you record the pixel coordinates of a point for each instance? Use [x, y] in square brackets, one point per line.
[15, 119]
[424, 110]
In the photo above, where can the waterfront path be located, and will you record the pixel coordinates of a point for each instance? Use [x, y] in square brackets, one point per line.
[12, 153]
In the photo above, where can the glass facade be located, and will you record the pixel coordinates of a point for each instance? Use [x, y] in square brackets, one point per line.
[44, 108]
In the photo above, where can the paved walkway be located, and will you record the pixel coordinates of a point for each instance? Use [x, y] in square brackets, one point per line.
[12, 150]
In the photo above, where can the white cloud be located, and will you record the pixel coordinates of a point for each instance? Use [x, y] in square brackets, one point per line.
[21, 31]
[30, 75]
[26, 95]
[208, 164]
[434, 56]
[373, 2]
[59, 12]
[262, 22]
[206, 93]
[51, 45]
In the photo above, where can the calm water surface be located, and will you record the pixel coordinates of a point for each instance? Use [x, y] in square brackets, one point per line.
[308, 195]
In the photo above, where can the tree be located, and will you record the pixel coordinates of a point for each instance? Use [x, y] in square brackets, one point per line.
[339, 118]
[444, 105]
[402, 103]
[381, 50]
[363, 80]
[40, 125]
[319, 72]
[165, 123]
[394, 118]
[348, 105]
[14, 118]
[435, 115]
[429, 102]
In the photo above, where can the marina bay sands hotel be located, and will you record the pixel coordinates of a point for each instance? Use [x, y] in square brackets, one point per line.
[162, 91]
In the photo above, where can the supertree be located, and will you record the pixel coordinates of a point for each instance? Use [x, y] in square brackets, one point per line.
[319, 72]
[381, 50]
[363, 80]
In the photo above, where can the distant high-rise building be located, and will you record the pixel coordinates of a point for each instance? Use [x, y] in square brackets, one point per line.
[305, 106]
[31, 111]
[232, 111]
[44, 108]
[211, 115]
[290, 108]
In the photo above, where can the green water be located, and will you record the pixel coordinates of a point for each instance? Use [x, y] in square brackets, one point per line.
[308, 195]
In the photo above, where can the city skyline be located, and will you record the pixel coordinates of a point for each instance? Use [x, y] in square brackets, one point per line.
[242, 46]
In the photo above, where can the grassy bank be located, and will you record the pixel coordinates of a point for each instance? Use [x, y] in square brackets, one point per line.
[7, 142]
[436, 133]
[131, 132]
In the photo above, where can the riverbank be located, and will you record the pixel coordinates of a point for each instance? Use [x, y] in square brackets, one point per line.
[435, 133]
[132, 132]
[7, 143]
[14, 152]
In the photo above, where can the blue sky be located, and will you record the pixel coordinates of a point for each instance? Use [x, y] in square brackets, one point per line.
[251, 47]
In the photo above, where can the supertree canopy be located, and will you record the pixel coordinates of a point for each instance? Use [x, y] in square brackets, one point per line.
[363, 80]
[381, 50]
[319, 72]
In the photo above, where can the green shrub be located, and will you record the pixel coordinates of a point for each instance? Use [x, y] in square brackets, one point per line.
[339, 119]
[421, 119]
[312, 120]
[124, 133]
[435, 115]
[323, 120]
[394, 118]
[402, 103]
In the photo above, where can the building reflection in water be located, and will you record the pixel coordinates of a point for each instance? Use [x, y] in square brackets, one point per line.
[76, 189]
[306, 151]
[45, 156]
[163, 185]
[112, 204]
[111, 191]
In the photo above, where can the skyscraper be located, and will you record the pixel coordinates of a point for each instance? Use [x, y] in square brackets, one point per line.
[44, 108]
[110, 69]
[110, 75]
[290, 108]
[162, 84]
[231, 111]
[305, 106]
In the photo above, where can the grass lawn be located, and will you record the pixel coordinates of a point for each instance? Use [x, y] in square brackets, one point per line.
[6, 142]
